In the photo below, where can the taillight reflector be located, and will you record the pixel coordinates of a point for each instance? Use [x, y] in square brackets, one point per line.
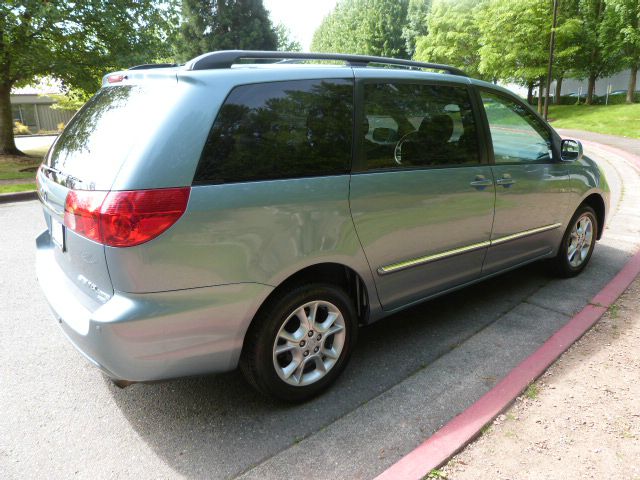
[125, 218]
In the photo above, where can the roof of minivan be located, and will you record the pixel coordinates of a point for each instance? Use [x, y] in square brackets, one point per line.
[255, 73]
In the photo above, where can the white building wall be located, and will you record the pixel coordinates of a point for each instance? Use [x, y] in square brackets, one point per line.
[619, 81]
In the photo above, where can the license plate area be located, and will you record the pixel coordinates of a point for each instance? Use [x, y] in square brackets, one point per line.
[58, 234]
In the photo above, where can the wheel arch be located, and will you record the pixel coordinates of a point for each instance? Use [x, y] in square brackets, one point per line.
[328, 272]
[333, 273]
[596, 202]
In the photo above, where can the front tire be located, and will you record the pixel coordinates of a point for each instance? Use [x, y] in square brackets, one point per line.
[300, 343]
[577, 244]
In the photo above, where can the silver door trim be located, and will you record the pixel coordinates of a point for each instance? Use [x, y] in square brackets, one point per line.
[394, 267]
[414, 262]
[525, 233]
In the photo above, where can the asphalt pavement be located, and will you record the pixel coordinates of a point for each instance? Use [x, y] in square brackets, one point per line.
[409, 375]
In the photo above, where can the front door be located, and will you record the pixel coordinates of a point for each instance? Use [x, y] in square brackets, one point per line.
[422, 202]
[532, 191]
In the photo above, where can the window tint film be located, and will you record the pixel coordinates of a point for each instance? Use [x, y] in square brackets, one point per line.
[418, 125]
[96, 142]
[280, 130]
[518, 135]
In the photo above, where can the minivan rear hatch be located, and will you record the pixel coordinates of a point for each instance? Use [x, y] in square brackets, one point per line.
[87, 157]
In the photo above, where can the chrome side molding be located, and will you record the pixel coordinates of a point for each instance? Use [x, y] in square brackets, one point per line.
[395, 267]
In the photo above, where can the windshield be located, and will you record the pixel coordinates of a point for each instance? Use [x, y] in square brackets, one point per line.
[95, 144]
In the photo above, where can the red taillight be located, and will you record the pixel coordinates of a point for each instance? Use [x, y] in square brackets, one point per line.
[82, 213]
[124, 219]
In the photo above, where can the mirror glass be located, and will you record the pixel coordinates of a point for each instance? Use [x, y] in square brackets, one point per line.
[571, 150]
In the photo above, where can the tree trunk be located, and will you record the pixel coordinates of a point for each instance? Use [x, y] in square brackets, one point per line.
[632, 83]
[556, 98]
[530, 93]
[540, 94]
[7, 143]
[590, 89]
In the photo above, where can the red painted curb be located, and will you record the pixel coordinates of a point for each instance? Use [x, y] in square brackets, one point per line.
[452, 437]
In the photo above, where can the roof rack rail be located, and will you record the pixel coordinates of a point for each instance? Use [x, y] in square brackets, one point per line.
[226, 58]
[153, 65]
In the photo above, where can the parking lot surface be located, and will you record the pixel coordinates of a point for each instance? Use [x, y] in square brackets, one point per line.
[409, 375]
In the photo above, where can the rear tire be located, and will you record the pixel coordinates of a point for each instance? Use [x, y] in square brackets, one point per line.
[577, 243]
[300, 343]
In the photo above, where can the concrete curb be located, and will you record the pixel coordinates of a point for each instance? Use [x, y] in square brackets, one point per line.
[18, 196]
[462, 429]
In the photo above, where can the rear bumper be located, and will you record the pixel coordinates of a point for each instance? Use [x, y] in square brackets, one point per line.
[151, 336]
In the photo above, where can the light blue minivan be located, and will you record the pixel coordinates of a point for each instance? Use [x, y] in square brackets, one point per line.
[253, 209]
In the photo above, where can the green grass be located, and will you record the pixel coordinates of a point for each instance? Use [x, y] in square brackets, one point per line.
[10, 169]
[11, 166]
[435, 474]
[17, 187]
[621, 120]
[532, 391]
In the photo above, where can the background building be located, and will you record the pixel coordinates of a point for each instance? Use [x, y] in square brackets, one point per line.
[32, 107]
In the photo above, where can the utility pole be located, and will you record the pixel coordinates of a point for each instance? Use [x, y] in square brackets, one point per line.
[552, 46]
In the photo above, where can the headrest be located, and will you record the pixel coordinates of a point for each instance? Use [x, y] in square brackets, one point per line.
[438, 128]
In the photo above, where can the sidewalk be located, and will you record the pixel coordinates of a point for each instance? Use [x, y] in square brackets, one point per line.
[581, 419]
[631, 145]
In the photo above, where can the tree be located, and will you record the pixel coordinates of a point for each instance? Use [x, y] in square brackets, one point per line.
[369, 27]
[285, 42]
[515, 41]
[597, 57]
[453, 36]
[416, 24]
[75, 42]
[622, 19]
[209, 25]
[568, 34]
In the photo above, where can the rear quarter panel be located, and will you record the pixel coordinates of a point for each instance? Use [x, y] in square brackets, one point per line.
[260, 232]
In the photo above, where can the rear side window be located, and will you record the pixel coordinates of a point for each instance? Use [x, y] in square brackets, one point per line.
[418, 125]
[277, 130]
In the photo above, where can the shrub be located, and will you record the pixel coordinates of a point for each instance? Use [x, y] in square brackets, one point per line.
[20, 129]
[620, 99]
[60, 126]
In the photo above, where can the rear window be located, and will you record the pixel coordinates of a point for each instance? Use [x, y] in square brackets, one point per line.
[277, 130]
[97, 141]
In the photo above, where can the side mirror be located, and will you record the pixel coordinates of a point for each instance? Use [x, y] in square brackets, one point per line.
[571, 151]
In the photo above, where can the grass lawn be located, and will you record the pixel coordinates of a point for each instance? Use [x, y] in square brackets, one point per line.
[621, 120]
[20, 168]
[17, 187]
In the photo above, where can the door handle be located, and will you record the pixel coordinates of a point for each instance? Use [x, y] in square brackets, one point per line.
[480, 183]
[506, 181]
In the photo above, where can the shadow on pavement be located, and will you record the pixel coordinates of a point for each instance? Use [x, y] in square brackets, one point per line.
[217, 426]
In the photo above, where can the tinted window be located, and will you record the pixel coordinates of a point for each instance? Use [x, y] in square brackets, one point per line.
[101, 135]
[280, 130]
[518, 135]
[415, 125]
